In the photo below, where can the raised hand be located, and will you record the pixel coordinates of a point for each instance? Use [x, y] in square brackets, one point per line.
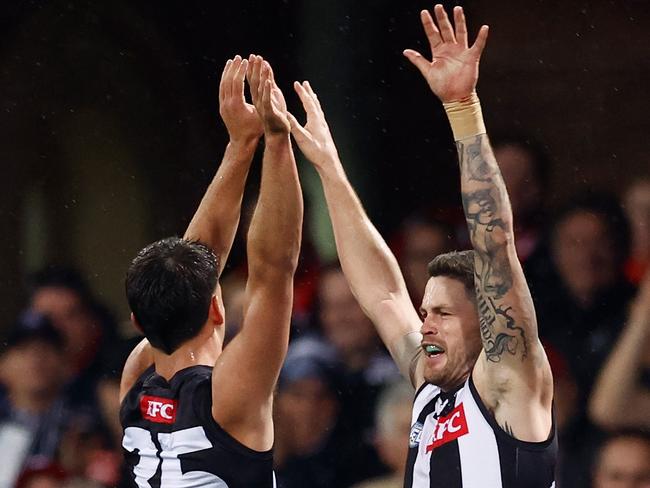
[314, 139]
[452, 72]
[267, 97]
[242, 120]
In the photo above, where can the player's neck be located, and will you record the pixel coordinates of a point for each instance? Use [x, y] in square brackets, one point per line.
[202, 350]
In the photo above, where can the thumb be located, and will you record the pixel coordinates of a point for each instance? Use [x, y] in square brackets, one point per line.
[418, 60]
[300, 134]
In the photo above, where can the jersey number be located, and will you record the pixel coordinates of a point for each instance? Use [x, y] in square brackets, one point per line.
[172, 445]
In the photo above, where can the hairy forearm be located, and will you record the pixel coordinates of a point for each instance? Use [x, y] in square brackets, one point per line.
[215, 221]
[369, 265]
[506, 313]
[617, 388]
[275, 231]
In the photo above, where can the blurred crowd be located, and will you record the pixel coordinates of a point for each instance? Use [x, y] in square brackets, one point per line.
[342, 412]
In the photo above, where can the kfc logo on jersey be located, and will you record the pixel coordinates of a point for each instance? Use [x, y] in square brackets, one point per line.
[158, 409]
[449, 428]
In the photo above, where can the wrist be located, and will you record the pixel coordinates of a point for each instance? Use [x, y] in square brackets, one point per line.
[465, 117]
[279, 138]
[329, 167]
[245, 144]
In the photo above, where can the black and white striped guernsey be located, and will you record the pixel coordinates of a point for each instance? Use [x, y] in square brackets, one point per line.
[172, 441]
[456, 443]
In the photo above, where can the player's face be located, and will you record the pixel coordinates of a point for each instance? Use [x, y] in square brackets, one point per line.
[451, 339]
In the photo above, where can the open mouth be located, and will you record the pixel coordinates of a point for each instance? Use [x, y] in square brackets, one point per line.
[432, 350]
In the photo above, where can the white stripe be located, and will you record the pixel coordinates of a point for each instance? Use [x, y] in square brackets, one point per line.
[479, 454]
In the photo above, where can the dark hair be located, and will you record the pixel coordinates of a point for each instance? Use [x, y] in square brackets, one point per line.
[34, 327]
[169, 286]
[72, 279]
[57, 276]
[609, 209]
[458, 265]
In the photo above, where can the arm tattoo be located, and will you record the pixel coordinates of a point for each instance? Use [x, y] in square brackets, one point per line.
[486, 205]
[508, 428]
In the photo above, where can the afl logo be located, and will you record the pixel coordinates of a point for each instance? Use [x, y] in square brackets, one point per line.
[416, 435]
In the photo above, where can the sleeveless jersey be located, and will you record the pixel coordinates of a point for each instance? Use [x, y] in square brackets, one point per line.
[172, 441]
[456, 443]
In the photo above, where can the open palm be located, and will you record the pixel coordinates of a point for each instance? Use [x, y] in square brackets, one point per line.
[452, 72]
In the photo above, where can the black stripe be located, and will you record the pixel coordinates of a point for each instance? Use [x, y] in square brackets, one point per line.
[445, 467]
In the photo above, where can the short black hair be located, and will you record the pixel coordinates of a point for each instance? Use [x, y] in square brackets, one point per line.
[458, 265]
[169, 287]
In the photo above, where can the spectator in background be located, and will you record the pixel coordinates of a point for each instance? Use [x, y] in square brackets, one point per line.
[637, 207]
[393, 426]
[87, 327]
[581, 299]
[621, 395]
[574, 443]
[421, 239]
[312, 447]
[623, 462]
[34, 412]
[352, 340]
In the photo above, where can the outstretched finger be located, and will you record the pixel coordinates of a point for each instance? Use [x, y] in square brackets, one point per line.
[418, 60]
[446, 30]
[481, 40]
[236, 63]
[223, 83]
[313, 95]
[238, 81]
[265, 76]
[308, 102]
[430, 29]
[253, 74]
[461, 26]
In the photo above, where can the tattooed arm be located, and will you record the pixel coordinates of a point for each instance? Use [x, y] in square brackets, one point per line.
[512, 374]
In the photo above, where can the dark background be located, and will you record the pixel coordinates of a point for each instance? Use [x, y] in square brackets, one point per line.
[110, 129]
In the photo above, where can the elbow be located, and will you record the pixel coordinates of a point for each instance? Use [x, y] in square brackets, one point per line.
[274, 262]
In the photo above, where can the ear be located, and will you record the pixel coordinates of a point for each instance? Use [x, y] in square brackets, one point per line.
[135, 323]
[215, 314]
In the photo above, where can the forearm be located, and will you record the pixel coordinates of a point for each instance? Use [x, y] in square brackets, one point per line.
[217, 217]
[507, 318]
[618, 382]
[369, 265]
[276, 227]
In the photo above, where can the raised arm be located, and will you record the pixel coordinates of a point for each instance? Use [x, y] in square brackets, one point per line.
[619, 399]
[369, 265]
[512, 374]
[245, 374]
[215, 221]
